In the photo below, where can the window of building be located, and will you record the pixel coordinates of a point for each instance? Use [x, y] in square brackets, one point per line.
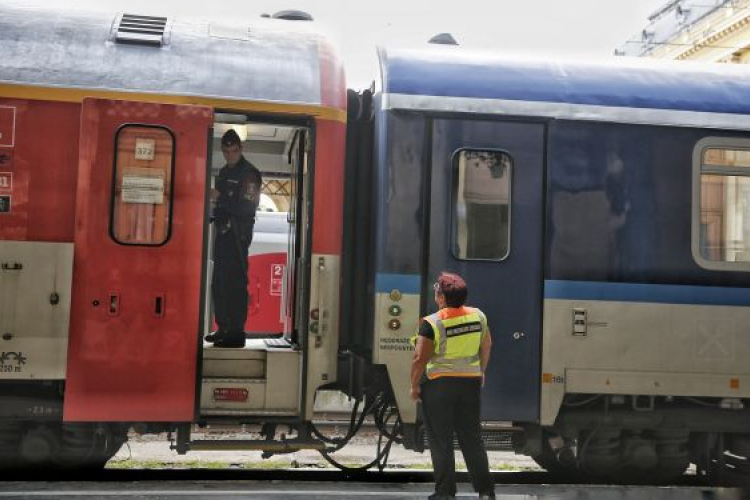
[722, 237]
[142, 185]
[481, 204]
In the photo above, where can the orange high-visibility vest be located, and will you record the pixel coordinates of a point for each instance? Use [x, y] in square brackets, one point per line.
[458, 336]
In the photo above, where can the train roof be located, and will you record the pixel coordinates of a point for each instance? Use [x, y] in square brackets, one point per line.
[450, 78]
[267, 60]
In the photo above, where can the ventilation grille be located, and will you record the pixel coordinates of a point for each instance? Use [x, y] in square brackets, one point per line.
[141, 30]
[494, 440]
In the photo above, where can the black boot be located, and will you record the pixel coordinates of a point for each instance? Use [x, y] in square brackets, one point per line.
[231, 339]
[213, 337]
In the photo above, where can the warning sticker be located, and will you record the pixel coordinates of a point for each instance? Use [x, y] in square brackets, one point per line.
[7, 126]
[4, 204]
[277, 278]
[143, 185]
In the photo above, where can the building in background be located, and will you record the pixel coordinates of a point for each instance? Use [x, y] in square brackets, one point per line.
[704, 30]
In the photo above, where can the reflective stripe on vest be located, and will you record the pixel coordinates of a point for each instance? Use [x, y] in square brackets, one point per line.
[457, 343]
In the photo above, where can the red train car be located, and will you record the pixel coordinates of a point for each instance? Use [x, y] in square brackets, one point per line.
[109, 146]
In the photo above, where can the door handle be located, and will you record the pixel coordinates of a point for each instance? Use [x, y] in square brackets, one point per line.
[160, 303]
[114, 304]
[12, 266]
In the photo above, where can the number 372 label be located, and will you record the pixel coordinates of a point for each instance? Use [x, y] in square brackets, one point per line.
[145, 149]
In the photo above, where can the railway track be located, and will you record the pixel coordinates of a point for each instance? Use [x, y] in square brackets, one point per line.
[312, 475]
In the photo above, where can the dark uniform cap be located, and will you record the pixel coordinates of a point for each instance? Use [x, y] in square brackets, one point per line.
[230, 138]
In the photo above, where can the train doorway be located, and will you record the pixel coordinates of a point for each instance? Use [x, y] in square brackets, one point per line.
[265, 376]
[486, 213]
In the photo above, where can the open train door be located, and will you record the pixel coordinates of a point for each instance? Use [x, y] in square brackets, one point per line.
[486, 224]
[138, 262]
[293, 300]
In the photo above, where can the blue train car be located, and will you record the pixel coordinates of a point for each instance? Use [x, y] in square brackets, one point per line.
[600, 214]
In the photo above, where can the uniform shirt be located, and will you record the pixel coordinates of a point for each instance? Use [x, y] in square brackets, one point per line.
[239, 195]
[426, 331]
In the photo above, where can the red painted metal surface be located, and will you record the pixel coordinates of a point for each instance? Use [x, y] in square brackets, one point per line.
[125, 362]
[39, 146]
[330, 157]
[329, 187]
[266, 272]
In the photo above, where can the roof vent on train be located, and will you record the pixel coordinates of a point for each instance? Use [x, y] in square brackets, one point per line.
[292, 15]
[443, 39]
[141, 30]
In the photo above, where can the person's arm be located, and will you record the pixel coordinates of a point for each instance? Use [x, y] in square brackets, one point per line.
[484, 352]
[422, 355]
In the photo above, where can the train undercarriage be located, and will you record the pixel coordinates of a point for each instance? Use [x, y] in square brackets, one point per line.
[33, 435]
[643, 440]
[612, 439]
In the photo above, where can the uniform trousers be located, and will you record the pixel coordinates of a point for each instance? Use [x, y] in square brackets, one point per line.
[229, 283]
[453, 404]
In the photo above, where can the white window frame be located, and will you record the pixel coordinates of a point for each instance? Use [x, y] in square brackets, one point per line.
[700, 147]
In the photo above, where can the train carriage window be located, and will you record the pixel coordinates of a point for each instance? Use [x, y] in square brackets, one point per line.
[142, 185]
[481, 204]
[724, 228]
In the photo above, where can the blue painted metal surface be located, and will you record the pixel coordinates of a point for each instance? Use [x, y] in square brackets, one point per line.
[620, 207]
[398, 186]
[509, 291]
[455, 72]
[405, 283]
[644, 292]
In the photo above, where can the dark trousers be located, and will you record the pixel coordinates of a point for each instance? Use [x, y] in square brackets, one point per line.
[229, 284]
[453, 404]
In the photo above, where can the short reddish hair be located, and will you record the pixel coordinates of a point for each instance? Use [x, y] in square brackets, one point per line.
[453, 288]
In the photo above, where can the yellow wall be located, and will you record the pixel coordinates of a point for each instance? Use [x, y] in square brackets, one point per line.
[721, 36]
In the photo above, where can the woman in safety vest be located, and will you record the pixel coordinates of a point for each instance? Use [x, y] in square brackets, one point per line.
[450, 359]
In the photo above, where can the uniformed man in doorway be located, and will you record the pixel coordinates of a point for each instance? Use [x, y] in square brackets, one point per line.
[237, 196]
[451, 356]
